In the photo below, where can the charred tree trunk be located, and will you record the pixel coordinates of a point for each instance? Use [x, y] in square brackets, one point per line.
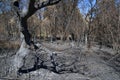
[25, 32]
[26, 41]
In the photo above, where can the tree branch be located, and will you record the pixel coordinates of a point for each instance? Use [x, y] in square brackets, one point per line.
[48, 3]
[33, 9]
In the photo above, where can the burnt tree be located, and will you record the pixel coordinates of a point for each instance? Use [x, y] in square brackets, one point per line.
[24, 10]
[31, 7]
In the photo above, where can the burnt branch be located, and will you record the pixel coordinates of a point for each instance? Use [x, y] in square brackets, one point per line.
[48, 3]
[32, 9]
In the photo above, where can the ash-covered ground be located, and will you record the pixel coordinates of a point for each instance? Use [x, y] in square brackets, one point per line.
[62, 61]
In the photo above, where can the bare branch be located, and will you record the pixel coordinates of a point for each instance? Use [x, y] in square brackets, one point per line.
[48, 3]
[33, 9]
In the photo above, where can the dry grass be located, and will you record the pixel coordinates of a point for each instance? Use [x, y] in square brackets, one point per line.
[9, 44]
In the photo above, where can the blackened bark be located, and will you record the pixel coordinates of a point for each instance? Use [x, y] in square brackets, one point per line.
[27, 35]
[25, 31]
